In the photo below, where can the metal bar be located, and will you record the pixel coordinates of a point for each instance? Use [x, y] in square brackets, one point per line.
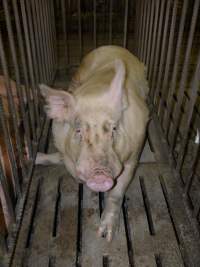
[38, 42]
[175, 68]
[34, 60]
[164, 89]
[64, 26]
[184, 75]
[18, 86]
[51, 40]
[31, 111]
[149, 41]
[193, 97]
[6, 135]
[54, 37]
[95, 23]
[157, 50]
[136, 27]
[153, 50]
[125, 24]
[41, 38]
[110, 21]
[143, 29]
[30, 61]
[6, 202]
[149, 4]
[163, 52]
[80, 30]
[12, 107]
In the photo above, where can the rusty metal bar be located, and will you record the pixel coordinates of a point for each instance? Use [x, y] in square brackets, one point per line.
[31, 111]
[164, 88]
[157, 50]
[95, 23]
[163, 53]
[64, 26]
[17, 74]
[30, 62]
[184, 76]
[175, 68]
[6, 202]
[6, 135]
[80, 30]
[12, 107]
[149, 50]
[125, 24]
[110, 21]
[189, 112]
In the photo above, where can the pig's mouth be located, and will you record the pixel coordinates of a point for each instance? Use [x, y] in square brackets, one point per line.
[100, 181]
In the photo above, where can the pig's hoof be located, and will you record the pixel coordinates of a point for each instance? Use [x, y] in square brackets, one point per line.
[41, 158]
[108, 225]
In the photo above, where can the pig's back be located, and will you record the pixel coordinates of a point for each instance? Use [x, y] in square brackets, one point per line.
[102, 56]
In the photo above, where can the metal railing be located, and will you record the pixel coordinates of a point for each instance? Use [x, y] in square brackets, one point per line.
[27, 57]
[168, 43]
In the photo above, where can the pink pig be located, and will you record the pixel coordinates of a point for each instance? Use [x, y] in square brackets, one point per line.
[99, 128]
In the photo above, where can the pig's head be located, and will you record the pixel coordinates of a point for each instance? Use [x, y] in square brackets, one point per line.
[93, 113]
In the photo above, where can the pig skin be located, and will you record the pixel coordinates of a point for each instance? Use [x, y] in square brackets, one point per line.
[109, 84]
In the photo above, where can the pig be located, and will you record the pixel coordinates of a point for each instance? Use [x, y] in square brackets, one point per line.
[99, 126]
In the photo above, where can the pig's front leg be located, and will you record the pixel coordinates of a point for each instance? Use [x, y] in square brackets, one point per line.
[110, 216]
[46, 159]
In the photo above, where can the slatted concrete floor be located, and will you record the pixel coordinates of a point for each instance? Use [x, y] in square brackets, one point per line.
[61, 219]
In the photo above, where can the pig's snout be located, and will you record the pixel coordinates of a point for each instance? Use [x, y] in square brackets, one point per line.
[100, 183]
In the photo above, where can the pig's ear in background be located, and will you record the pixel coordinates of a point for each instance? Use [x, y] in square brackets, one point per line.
[116, 92]
[60, 104]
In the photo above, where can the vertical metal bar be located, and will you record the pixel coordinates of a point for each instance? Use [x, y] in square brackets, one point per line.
[80, 30]
[51, 40]
[189, 112]
[157, 50]
[184, 75]
[149, 4]
[38, 43]
[125, 24]
[54, 35]
[163, 52]
[31, 114]
[110, 21]
[6, 201]
[12, 107]
[41, 38]
[64, 26]
[143, 30]
[153, 50]
[175, 68]
[30, 61]
[139, 28]
[34, 61]
[95, 23]
[16, 69]
[149, 41]
[6, 135]
[136, 27]
[168, 61]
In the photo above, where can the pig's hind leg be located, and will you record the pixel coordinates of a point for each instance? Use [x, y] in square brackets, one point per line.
[111, 213]
[47, 159]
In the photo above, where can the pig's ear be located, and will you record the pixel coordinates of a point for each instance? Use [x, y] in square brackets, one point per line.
[60, 104]
[117, 95]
